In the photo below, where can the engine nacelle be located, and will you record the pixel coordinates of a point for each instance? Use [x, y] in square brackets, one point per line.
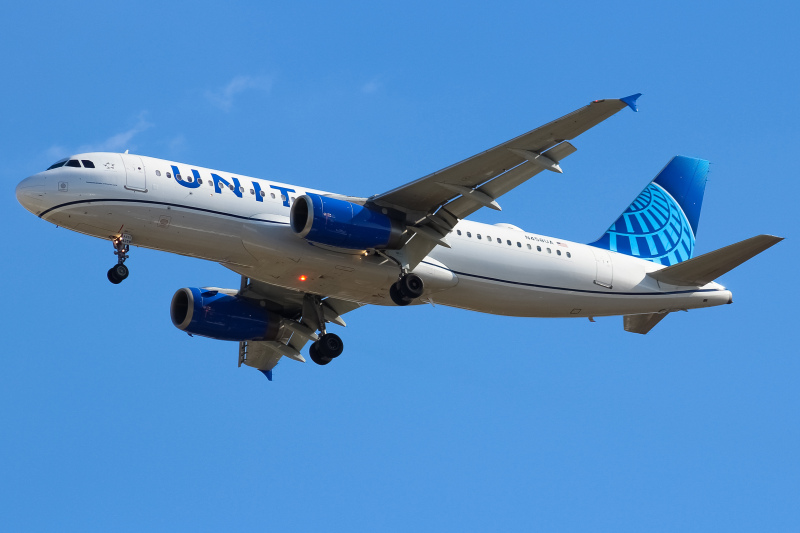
[343, 224]
[210, 313]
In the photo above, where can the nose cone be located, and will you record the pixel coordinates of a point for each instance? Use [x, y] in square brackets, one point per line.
[31, 193]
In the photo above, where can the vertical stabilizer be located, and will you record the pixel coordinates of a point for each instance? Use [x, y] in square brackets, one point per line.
[661, 223]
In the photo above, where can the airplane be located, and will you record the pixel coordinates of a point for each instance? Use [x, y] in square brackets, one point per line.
[306, 257]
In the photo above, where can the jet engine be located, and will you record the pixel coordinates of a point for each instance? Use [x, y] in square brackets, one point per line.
[343, 224]
[214, 314]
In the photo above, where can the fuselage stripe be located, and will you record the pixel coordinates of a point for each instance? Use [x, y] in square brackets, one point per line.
[457, 273]
[169, 204]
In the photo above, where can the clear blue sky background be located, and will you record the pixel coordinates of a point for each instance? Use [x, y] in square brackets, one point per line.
[434, 418]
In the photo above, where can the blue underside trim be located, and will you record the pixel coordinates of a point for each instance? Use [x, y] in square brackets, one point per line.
[267, 373]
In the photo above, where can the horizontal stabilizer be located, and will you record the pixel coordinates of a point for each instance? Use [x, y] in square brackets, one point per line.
[642, 323]
[703, 269]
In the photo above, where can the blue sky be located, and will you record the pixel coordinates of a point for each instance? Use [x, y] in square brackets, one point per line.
[434, 418]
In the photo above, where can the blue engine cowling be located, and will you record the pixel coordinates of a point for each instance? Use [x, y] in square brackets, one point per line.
[210, 313]
[343, 224]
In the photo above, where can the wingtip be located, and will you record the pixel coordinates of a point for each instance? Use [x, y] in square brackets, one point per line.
[630, 101]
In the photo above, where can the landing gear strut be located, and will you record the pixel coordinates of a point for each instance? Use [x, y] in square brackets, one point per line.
[119, 272]
[407, 289]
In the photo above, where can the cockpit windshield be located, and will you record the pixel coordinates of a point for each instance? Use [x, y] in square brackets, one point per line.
[71, 163]
[59, 163]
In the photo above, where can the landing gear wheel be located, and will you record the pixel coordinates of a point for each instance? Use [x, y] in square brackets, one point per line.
[411, 286]
[112, 276]
[316, 357]
[329, 346]
[396, 296]
[407, 289]
[117, 273]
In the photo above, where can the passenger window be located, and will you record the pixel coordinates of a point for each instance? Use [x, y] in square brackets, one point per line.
[178, 177]
[458, 232]
[558, 252]
[230, 187]
[200, 181]
[538, 248]
[190, 179]
[210, 183]
[263, 194]
[549, 251]
[169, 175]
[283, 197]
[241, 189]
[272, 195]
[529, 246]
[469, 234]
[87, 163]
[500, 240]
[489, 238]
[479, 236]
[519, 244]
[74, 163]
[252, 192]
[568, 254]
[509, 242]
[158, 172]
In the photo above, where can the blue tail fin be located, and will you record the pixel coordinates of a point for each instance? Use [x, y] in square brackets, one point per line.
[661, 224]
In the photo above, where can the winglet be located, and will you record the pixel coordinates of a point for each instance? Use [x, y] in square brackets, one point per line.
[267, 373]
[631, 101]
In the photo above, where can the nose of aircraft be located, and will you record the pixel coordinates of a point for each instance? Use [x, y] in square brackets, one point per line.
[31, 193]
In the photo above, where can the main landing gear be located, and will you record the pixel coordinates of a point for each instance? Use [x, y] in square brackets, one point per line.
[119, 272]
[326, 349]
[328, 346]
[407, 289]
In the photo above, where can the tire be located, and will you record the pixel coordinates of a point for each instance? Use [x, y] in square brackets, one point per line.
[396, 296]
[112, 277]
[316, 357]
[329, 346]
[120, 271]
[411, 286]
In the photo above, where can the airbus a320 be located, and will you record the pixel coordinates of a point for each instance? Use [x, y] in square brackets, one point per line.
[306, 257]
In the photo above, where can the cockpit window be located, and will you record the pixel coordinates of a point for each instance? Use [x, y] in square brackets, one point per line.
[59, 163]
[87, 163]
[74, 163]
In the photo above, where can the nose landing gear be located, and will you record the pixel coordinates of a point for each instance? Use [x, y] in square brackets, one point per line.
[119, 272]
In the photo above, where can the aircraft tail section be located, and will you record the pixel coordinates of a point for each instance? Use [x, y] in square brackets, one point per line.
[661, 223]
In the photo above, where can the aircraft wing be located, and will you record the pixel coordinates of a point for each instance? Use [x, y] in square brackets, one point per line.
[435, 203]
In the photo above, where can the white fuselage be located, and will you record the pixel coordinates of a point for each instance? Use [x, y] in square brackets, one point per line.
[490, 269]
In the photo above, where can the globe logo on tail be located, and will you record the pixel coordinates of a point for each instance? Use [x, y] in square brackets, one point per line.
[654, 227]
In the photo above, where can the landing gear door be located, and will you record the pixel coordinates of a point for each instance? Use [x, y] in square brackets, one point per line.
[135, 177]
[605, 271]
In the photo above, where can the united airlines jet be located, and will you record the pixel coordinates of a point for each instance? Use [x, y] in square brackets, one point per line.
[307, 257]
